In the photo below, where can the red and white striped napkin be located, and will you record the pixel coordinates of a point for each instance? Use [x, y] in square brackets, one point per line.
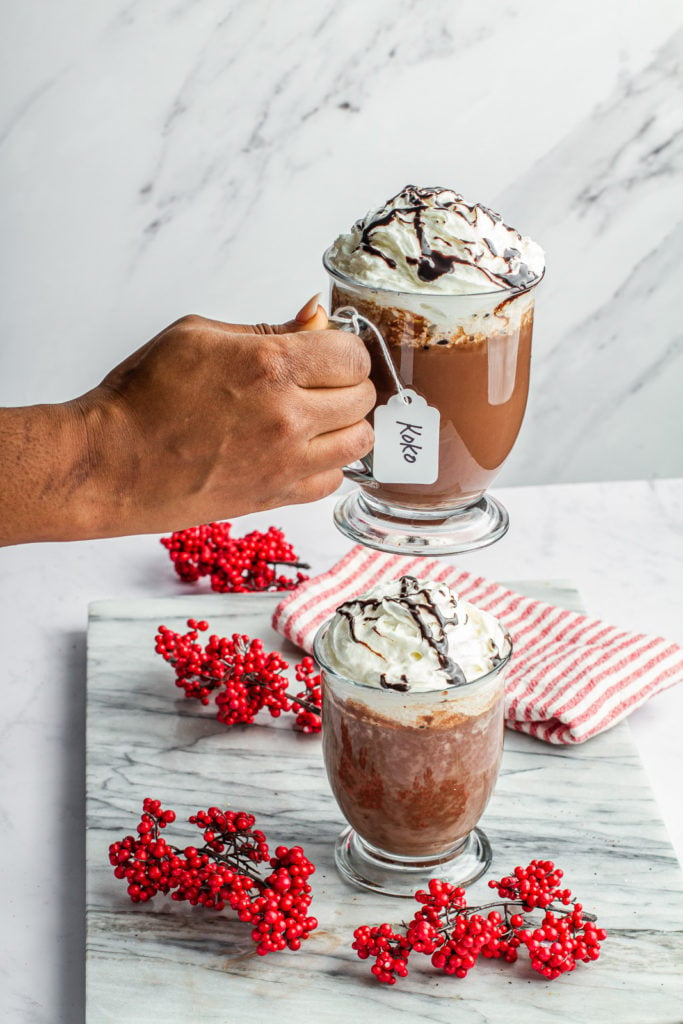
[570, 676]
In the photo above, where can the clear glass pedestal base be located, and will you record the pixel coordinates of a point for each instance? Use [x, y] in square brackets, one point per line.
[404, 533]
[369, 868]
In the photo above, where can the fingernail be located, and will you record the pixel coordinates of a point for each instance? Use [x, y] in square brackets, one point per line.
[308, 311]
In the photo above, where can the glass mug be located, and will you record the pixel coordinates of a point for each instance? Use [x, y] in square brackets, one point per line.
[467, 356]
[412, 774]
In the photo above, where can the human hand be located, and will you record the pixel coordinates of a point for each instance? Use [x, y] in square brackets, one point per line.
[211, 420]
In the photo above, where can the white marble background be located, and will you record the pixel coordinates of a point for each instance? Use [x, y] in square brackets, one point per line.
[158, 158]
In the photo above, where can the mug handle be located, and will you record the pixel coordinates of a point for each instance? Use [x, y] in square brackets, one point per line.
[360, 472]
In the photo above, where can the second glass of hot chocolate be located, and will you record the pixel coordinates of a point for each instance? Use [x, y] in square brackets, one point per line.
[413, 714]
[450, 288]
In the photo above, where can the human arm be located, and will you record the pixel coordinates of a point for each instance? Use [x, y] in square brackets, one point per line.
[206, 421]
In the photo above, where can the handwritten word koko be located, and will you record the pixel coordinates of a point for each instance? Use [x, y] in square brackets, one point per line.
[409, 434]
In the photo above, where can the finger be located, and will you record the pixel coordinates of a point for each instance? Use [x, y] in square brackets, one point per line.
[309, 310]
[325, 359]
[339, 447]
[311, 317]
[314, 487]
[315, 320]
[329, 409]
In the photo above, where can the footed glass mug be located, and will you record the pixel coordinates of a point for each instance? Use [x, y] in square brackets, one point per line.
[461, 365]
[412, 773]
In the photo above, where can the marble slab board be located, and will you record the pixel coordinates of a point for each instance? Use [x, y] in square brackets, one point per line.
[589, 808]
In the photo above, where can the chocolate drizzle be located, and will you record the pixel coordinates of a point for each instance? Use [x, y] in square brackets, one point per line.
[410, 595]
[431, 264]
[429, 619]
[411, 204]
[345, 611]
[402, 687]
[366, 230]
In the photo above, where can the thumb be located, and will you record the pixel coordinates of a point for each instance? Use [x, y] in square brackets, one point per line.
[311, 317]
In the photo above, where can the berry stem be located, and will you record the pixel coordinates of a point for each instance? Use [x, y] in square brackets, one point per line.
[255, 680]
[506, 905]
[294, 565]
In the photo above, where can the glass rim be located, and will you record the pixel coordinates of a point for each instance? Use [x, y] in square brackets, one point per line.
[345, 279]
[452, 688]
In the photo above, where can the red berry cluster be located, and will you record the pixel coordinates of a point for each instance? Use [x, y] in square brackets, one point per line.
[455, 935]
[391, 950]
[223, 872]
[310, 699]
[565, 936]
[242, 675]
[234, 564]
[537, 885]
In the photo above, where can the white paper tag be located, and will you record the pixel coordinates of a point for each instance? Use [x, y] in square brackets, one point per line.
[406, 441]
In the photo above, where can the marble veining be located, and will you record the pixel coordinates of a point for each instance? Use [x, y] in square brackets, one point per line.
[173, 158]
[589, 808]
[601, 336]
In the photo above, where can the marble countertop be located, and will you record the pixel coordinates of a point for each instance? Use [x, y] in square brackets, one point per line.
[588, 808]
[619, 543]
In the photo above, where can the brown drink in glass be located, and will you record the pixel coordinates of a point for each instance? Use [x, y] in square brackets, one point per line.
[457, 323]
[412, 770]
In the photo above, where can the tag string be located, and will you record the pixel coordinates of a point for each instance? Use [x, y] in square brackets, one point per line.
[349, 316]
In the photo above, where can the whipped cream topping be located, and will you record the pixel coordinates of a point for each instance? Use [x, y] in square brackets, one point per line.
[431, 240]
[412, 634]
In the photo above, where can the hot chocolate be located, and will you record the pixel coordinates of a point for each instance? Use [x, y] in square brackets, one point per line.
[417, 783]
[413, 695]
[450, 287]
[476, 375]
